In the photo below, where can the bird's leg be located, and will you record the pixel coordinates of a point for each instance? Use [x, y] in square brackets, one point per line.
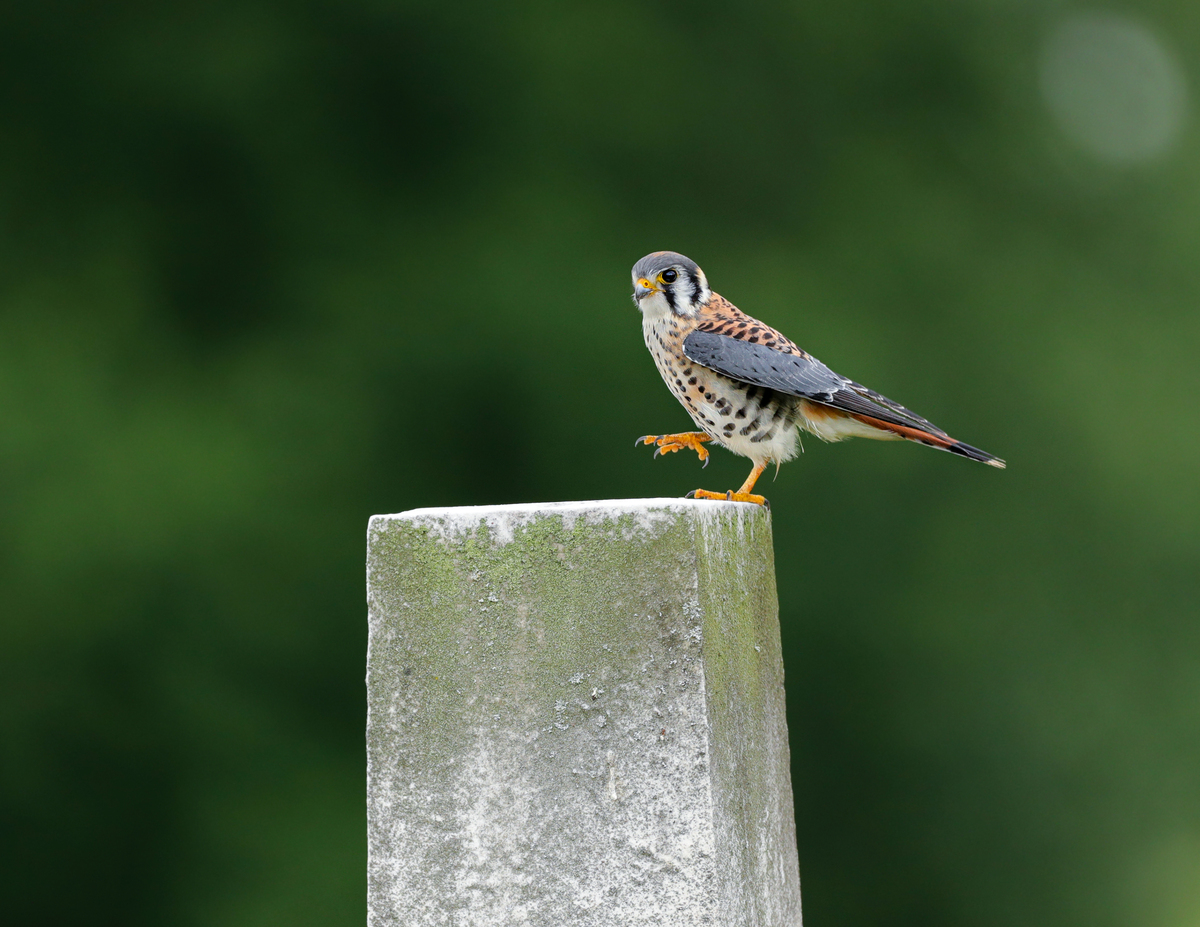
[668, 443]
[742, 495]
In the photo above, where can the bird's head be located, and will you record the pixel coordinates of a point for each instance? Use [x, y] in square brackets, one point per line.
[669, 283]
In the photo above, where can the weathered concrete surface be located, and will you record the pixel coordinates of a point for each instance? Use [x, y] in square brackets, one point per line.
[576, 717]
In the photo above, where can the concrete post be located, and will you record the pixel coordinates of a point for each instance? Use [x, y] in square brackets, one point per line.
[576, 717]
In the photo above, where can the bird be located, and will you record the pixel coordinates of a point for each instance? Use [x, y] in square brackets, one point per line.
[750, 389]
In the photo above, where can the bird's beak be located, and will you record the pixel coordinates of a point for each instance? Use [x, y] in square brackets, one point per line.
[643, 288]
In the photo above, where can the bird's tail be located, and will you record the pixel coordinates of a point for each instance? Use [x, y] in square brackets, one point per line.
[974, 453]
[940, 440]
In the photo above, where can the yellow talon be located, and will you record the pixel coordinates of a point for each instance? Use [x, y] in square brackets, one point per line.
[669, 443]
[742, 495]
[729, 496]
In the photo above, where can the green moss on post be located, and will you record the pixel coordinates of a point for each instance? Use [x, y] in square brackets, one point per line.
[576, 716]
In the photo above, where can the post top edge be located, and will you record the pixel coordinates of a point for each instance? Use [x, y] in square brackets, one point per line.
[527, 510]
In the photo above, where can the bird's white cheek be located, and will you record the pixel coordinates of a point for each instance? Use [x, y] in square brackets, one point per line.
[654, 306]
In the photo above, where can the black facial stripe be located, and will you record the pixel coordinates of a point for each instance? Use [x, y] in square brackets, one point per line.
[695, 279]
[669, 293]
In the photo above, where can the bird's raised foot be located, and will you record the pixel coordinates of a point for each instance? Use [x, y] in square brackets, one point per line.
[668, 443]
[729, 496]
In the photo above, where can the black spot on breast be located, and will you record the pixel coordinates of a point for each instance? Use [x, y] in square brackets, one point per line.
[691, 380]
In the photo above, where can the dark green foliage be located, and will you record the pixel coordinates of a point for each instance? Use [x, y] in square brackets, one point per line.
[269, 268]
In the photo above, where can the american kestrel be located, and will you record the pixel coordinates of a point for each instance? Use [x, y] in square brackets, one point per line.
[750, 389]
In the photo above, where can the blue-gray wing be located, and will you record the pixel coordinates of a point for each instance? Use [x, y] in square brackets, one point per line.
[797, 374]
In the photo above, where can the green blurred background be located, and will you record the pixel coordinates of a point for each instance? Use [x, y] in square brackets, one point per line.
[268, 268]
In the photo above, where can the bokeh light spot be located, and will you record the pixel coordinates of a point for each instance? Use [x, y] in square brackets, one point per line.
[1113, 87]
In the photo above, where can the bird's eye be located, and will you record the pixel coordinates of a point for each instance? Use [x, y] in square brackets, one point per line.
[669, 276]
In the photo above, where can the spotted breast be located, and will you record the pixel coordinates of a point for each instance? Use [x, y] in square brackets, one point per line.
[753, 421]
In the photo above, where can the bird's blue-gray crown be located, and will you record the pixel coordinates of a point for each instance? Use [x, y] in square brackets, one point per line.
[678, 279]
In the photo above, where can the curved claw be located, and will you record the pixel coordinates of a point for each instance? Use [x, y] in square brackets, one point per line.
[706, 459]
[728, 496]
[678, 442]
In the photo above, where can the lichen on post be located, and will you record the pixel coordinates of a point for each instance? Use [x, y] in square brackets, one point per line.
[576, 716]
